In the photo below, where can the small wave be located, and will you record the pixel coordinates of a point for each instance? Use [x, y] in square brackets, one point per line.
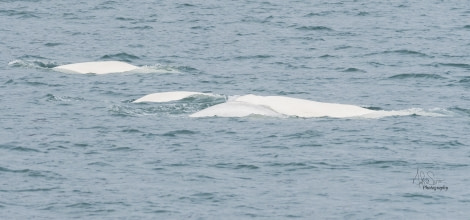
[314, 28]
[179, 132]
[320, 14]
[352, 70]
[253, 57]
[157, 68]
[52, 44]
[457, 65]
[384, 163]
[19, 14]
[416, 76]
[36, 64]
[401, 52]
[18, 148]
[462, 111]
[125, 57]
[236, 166]
[54, 98]
[407, 112]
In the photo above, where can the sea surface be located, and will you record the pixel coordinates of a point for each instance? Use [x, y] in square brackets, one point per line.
[75, 146]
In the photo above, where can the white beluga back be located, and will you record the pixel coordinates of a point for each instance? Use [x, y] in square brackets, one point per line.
[280, 105]
[169, 96]
[305, 108]
[100, 67]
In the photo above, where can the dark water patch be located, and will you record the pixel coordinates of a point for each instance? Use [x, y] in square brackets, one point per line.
[319, 14]
[330, 166]
[37, 83]
[253, 57]
[373, 108]
[52, 44]
[99, 164]
[185, 5]
[288, 93]
[81, 205]
[18, 148]
[131, 131]
[179, 132]
[236, 166]
[465, 80]
[293, 166]
[125, 57]
[363, 13]
[417, 196]
[461, 111]
[125, 19]
[19, 14]
[400, 52]
[456, 65]
[202, 197]
[466, 26]
[416, 76]
[327, 56]
[31, 190]
[305, 134]
[353, 70]
[33, 173]
[179, 165]
[145, 27]
[121, 149]
[342, 47]
[376, 64]
[3, 169]
[314, 28]
[384, 163]
[81, 145]
[408, 52]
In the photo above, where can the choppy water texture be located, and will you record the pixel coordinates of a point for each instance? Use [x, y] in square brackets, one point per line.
[75, 146]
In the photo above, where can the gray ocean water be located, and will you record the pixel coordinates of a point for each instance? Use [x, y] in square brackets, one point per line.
[75, 146]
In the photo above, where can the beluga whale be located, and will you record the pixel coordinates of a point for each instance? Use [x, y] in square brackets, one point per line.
[280, 105]
[98, 67]
[170, 96]
[276, 106]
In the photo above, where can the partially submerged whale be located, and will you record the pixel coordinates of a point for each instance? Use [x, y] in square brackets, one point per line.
[169, 96]
[100, 67]
[278, 106]
[281, 105]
